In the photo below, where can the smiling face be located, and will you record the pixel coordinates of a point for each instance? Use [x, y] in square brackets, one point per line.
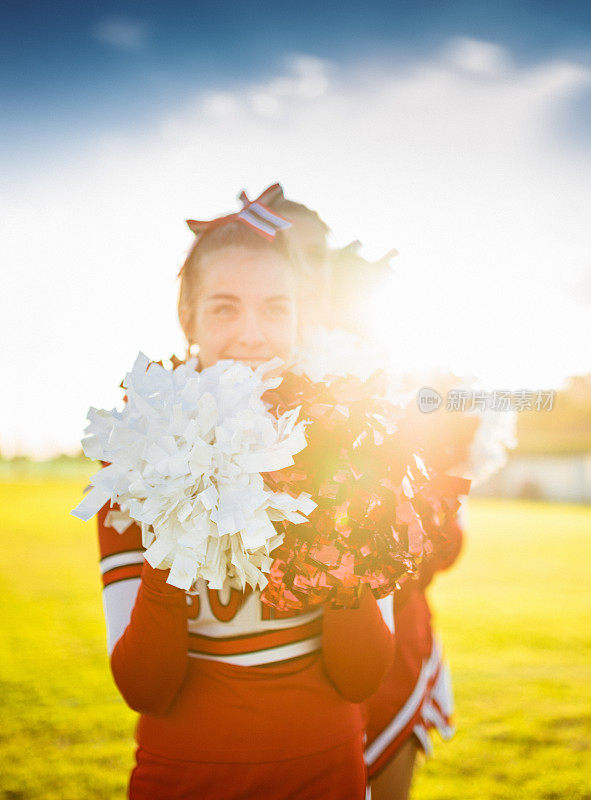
[246, 306]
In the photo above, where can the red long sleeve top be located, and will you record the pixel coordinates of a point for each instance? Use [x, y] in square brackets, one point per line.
[220, 677]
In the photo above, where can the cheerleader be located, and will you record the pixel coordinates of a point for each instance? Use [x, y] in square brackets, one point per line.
[237, 700]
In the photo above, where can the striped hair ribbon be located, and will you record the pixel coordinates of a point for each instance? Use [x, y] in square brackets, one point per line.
[255, 214]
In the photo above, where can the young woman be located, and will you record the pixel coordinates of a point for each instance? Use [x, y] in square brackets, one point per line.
[237, 700]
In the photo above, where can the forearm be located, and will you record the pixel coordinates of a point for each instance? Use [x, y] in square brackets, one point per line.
[149, 660]
[358, 648]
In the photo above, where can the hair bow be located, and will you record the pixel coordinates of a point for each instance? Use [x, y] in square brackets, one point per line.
[254, 213]
[270, 194]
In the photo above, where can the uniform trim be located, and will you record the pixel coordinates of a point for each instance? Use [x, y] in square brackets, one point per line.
[252, 642]
[121, 566]
[409, 718]
[118, 601]
[120, 559]
[436, 712]
[119, 574]
[283, 652]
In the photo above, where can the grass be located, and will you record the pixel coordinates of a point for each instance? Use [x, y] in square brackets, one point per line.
[66, 734]
[514, 615]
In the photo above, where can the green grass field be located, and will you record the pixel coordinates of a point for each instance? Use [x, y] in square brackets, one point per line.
[514, 615]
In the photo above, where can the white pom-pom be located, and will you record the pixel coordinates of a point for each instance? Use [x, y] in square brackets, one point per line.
[186, 453]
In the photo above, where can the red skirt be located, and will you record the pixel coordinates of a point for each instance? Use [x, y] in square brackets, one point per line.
[337, 773]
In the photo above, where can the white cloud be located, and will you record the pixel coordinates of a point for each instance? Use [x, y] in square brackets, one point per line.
[481, 58]
[122, 33]
[306, 79]
[454, 160]
[220, 104]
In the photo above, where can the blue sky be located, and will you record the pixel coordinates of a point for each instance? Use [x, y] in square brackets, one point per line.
[66, 73]
[456, 132]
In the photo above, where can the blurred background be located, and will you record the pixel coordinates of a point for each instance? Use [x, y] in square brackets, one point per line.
[456, 132]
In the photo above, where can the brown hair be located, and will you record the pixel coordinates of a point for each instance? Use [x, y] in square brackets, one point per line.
[315, 255]
[291, 209]
[232, 234]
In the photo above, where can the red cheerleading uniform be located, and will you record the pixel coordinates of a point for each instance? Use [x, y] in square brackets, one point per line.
[415, 695]
[237, 699]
